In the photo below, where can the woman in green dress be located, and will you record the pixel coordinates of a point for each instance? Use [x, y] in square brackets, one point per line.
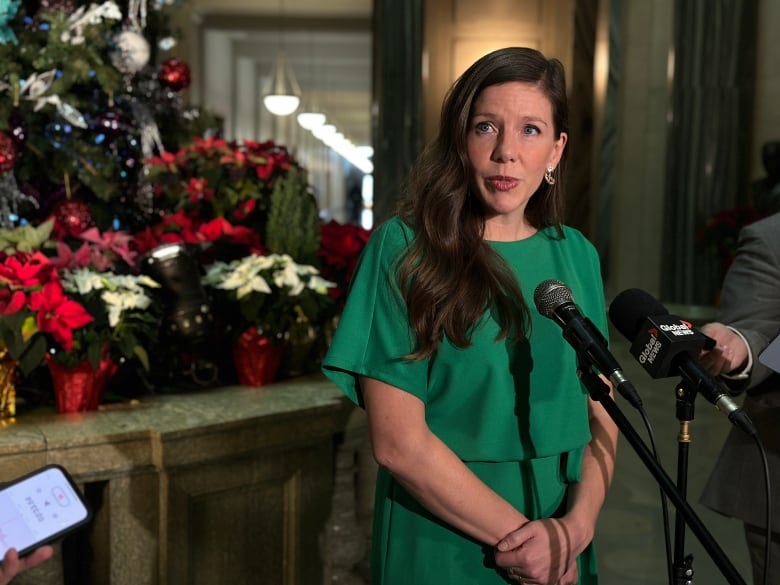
[493, 461]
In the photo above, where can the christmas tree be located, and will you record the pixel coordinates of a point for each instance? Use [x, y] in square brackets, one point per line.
[88, 93]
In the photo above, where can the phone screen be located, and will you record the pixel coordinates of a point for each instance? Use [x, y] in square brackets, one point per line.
[39, 508]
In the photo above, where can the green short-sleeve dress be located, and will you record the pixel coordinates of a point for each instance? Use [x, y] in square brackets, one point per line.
[513, 411]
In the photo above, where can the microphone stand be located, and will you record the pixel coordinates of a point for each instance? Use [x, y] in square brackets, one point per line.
[599, 391]
[683, 565]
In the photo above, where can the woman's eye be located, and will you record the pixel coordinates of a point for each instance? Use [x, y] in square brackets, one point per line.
[530, 130]
[482, 127]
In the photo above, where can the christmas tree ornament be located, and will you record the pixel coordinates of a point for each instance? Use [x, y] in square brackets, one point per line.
[72, 216]
[84, 17]
[34, 88]
[17, 127]
[175, 74]
[132, 52]
[8, 10]
[136, 13]
[150, 132]
[10, 198]
[63, 6]
[8, 153]
[110, 126]
[58, 134]
[72, 115]
[166, 43]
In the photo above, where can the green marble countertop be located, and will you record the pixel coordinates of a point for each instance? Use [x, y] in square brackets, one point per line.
[310, 404]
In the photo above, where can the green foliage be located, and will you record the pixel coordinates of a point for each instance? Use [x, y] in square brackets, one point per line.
[293, 220]
[27, 350]
[26, 238]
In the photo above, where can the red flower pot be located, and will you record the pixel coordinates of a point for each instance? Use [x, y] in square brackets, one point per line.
[257, 358]
[81, 387]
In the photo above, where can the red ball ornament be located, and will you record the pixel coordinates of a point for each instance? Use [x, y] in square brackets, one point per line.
[8, 153]
[175, 74]
[72, 217]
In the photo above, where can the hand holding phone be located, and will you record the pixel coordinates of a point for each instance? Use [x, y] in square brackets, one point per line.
[39, 508]
[11, 565]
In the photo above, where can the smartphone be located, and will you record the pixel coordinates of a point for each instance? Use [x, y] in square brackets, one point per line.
[39, 508]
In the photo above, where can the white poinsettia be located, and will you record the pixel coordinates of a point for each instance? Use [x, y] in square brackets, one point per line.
[126, 314]
[280, 283]
[242, 276]
[82, 281]
[319, 284]
[121, 292]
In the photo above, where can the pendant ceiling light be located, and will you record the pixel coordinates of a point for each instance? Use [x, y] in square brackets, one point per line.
[284, 94]
[310, 118]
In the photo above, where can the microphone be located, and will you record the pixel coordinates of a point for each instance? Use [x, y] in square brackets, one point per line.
[554, 300]
[665, 346]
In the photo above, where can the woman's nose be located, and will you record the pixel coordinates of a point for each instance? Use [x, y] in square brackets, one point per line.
[506, 149]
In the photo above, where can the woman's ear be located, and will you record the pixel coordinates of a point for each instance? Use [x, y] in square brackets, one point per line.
[558, 148]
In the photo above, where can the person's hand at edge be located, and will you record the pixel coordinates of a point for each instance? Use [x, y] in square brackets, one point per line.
[13, 565]
[730, 352]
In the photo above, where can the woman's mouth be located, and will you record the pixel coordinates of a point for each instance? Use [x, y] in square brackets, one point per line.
[502, 183]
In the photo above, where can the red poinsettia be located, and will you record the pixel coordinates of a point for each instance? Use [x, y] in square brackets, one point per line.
[34, 308]
[180, 227]
[57, 314]
[340, 248]
[215, 178]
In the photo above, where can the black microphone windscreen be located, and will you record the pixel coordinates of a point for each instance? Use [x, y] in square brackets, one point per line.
[630, 308]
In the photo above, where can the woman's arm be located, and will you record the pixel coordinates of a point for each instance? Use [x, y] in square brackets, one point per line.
[598, 465]
[545, 550]
[428, 469]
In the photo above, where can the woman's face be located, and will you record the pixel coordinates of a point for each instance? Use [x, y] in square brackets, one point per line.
[511, 141]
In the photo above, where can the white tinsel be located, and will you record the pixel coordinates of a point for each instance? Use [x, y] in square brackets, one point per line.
[136, 11]
[150, 133]
[83, 16]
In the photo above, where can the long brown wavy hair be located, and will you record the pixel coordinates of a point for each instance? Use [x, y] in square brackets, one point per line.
[450, 276]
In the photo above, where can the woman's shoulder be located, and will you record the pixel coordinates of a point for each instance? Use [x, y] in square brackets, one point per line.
[392, 234]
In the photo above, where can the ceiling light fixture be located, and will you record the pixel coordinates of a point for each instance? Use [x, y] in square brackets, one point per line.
[310, 120]
[284, 95]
